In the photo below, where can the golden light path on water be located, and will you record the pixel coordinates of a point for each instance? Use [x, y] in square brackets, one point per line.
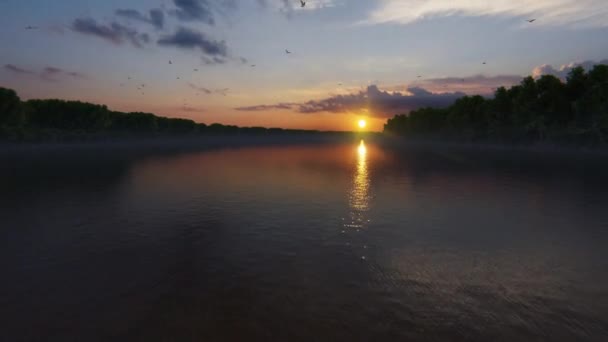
[359, 194]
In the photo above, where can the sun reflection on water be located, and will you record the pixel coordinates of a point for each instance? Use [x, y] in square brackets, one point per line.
[359, 194]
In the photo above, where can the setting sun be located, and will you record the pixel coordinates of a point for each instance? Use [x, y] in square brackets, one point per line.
[362, 123]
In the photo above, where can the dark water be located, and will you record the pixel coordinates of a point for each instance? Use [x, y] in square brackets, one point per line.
[325, 242]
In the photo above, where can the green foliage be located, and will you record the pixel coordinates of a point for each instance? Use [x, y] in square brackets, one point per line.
[58, 120]
[11, 110]
[536, 110]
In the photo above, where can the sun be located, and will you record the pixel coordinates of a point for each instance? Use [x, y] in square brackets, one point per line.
[362, 123]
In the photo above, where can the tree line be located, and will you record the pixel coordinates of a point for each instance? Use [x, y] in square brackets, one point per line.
[59, 120]
[537, 110]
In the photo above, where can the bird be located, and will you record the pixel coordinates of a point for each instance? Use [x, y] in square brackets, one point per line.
[170, 62]
[419, 76]
[287, 51]
[339, 84]
[253, 65]
[302, 3]
[177, 78]
[195, 69]
[531, 20]
[31, 27]
[484, 63]
[129, 77]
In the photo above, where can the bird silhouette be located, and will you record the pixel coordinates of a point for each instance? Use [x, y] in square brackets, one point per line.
[302, 3]
[531, 20]
[253, 65]
[484, 63]
[31, 27]
[419, 76]
[195, 69]
[170, 62]
[287, 51]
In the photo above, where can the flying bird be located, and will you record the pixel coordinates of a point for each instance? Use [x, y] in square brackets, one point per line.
[531, 20]
[287, 51]
[302, 3]
[484, 63]
[419, 76]
[195, 69]
[253, 65]
[170, 62]
[31, 27]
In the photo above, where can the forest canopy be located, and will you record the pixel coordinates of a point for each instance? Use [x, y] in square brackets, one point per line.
[546, 109]
[44, 120]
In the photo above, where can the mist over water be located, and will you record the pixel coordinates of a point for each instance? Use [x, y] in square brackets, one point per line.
[353, 241]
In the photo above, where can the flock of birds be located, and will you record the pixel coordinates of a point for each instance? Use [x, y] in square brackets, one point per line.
[223, 91]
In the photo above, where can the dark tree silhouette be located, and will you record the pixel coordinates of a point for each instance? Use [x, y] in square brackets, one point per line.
[537, 110]
[45, 120]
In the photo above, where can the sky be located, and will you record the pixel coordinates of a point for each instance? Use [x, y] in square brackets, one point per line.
[225, 60]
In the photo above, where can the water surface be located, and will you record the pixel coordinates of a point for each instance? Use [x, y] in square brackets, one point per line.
[344, 241]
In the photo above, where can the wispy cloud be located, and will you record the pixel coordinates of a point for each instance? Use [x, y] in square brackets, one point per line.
[49, 73]
[17, 70]
[584, 13]
[207, 91]
[262, 108]
[190, 109]
[156, 17]
[477, 84]
[114, 32]
[200, 89]
[289, 7]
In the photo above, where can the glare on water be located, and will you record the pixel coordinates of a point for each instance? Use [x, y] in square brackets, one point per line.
[359, 193]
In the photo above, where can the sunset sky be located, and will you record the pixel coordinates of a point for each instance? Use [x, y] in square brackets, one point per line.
[350, 59]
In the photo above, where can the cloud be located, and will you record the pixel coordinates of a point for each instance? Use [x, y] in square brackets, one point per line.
[208, 91]
[17, 70]
[155, 18]
[289, 7]
[201, 89]
[583, 13]
[214, 60]
[183, 38]
[477, 84]
[114, 33]
[194, 10]
[563, 71]
[373, 100]
[49, 73]
[190, 109]
[434, 92]
[260, 108]
[52, 74]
